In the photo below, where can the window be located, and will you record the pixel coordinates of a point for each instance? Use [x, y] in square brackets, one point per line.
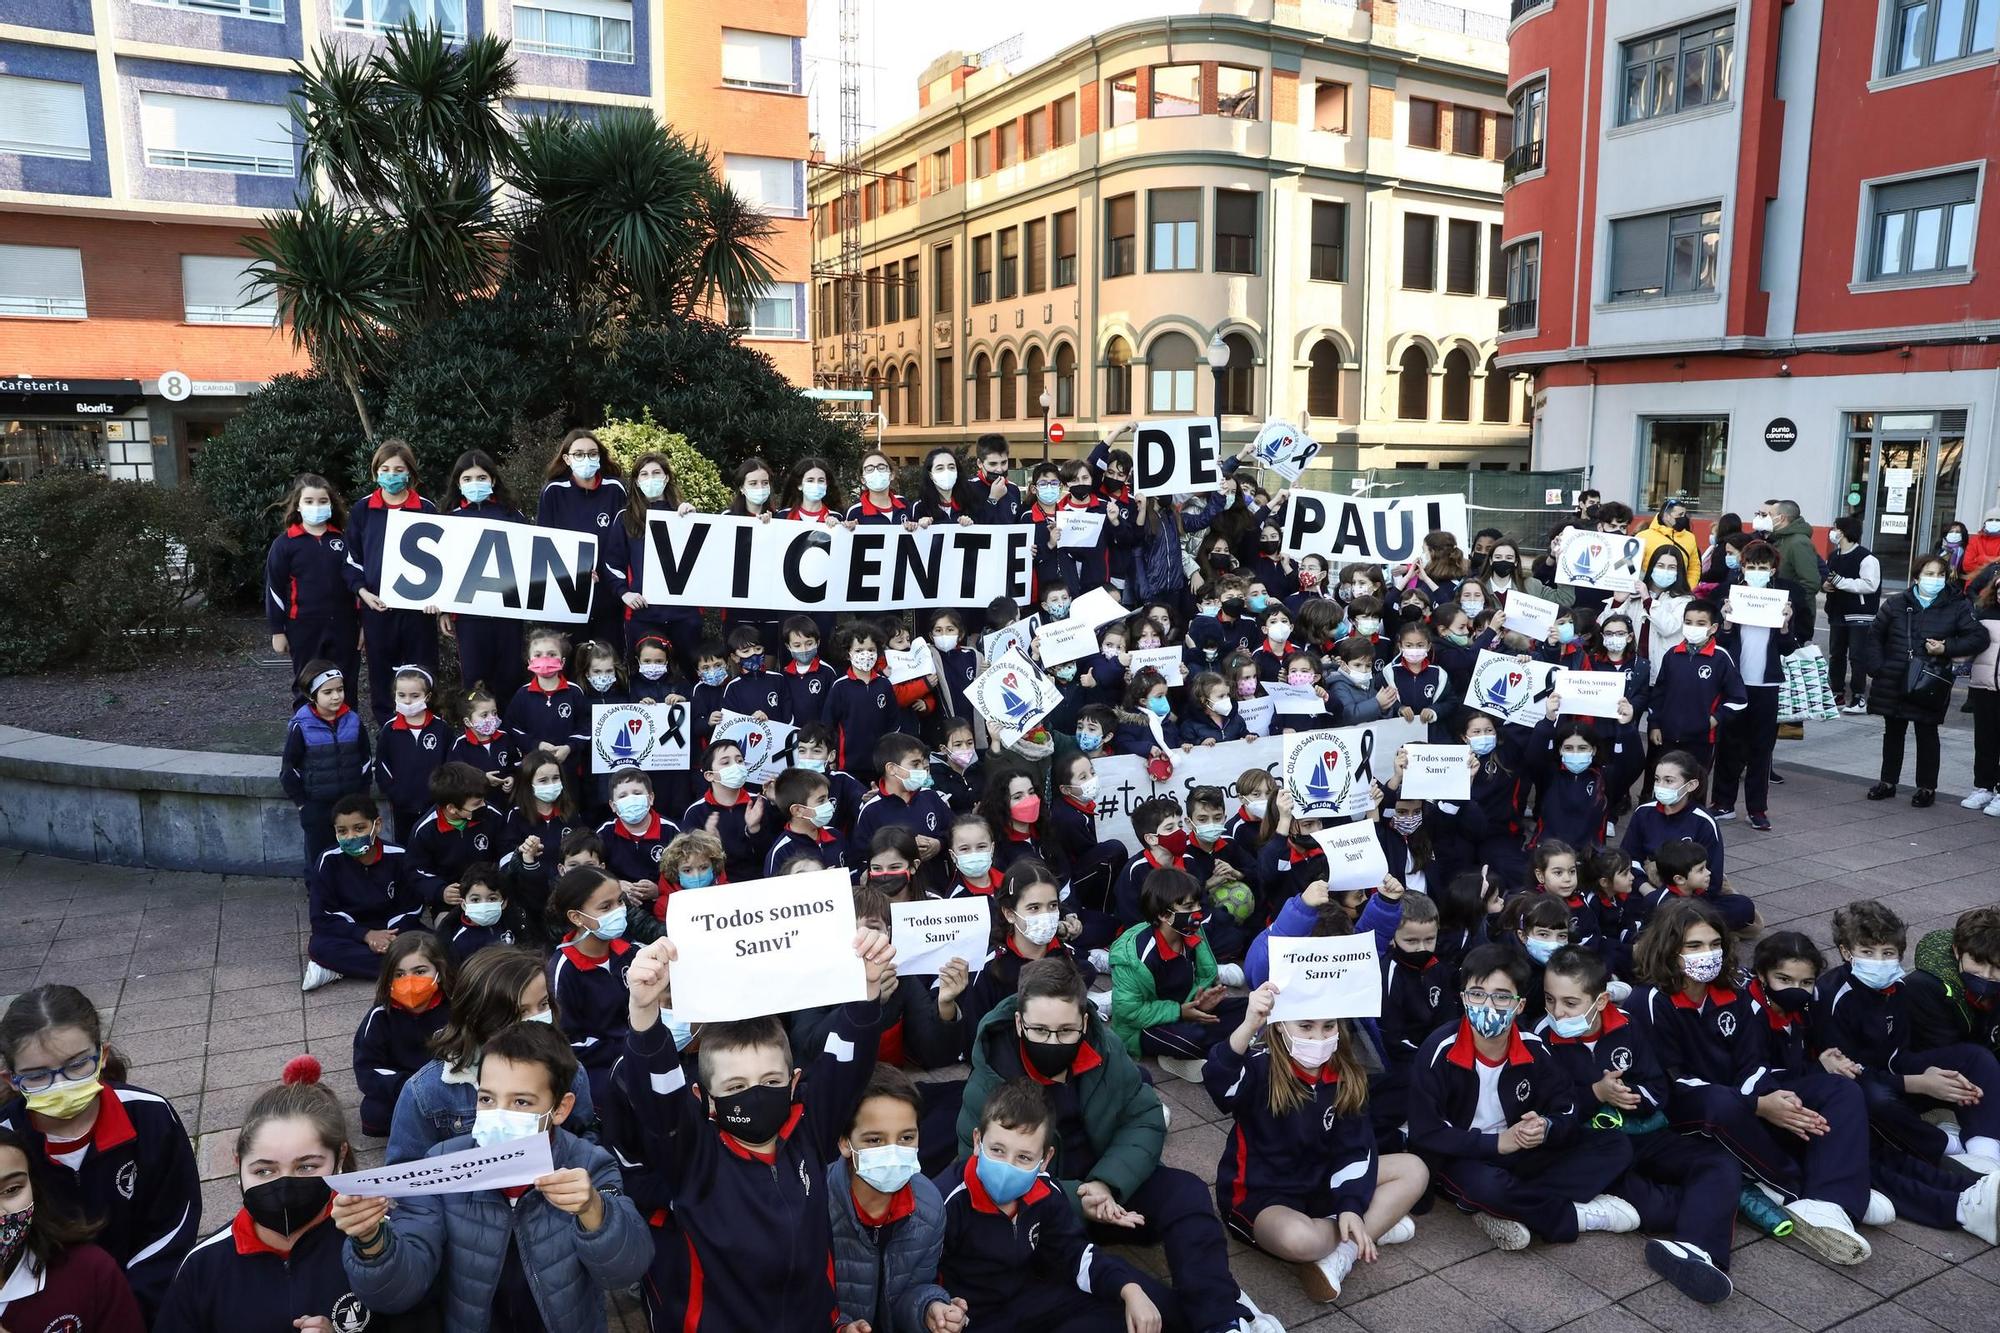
[913, 395]
[765, 61]
[1065, 405]
[1121, 242]
[982, 269]
[1457, 385]
[1665, 254]
[1468, 131]
[377, 16]
[43, 118]
[1235, 231]
[823, 310]
[937, 171]
[1420, 238]
[1524, 286]
[249, 9]
[777, 185]
[215, 289]
[1239, 378]
[1065, 271]
[1117, 378]
[1329, 242]
[1424, 122]
[1175, 229]
[1236, 93]
[1176, 91]
[1038, 132]
[1496, 263]
[982, 156]
[41, 282]
[1531, 130]
[1323, 380]
[1124, 99]
[1330, 107]
[1036, 276]
[871, 200]
[1010, 370]
[1923, 226]
[982, 388]
[873, 284]
[1685, 456]
[1062, 117]
[941, 276]
[1170, 364]
[1006, 145]
[216, 134]
[1413, 385]
[943, 389]
[1038, 377]
[1010, 263]
[1929, 32]
[1461, 258]
[892, 294]
[1503, 136]
[578, 29]
[912, 306]
[778, 313]
[1497, 403]
[892, 396]
[1678, 70]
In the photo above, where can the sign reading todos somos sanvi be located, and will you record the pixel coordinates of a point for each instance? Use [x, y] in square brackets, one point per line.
[768, 946]
[487, 567]
[1354, 529]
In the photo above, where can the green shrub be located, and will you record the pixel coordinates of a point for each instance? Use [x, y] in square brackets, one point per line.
[96, 572]
[701, 485]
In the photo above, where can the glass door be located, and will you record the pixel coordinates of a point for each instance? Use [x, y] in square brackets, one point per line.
[1902, 478]
[1896, 504]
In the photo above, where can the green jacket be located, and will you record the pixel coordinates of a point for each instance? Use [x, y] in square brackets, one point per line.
[1135, 1005]
[1122, 1115]
[1798, 560]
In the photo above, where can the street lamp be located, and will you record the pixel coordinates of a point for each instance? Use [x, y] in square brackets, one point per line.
[1218, 363]
[1047, 403]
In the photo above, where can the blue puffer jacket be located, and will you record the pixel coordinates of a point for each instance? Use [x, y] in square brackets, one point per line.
[432, 1108]
[324, 761]
[887, 1277]
[464, 1237]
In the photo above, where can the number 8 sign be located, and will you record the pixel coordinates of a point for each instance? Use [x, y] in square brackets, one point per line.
[175, 387]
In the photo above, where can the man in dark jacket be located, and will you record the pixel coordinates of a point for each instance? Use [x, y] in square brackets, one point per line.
[1798, 563]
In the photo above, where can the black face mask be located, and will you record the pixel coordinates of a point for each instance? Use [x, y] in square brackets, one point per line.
[1079, 490]
[1681, 524]
[1503, 569]
[1233, 606]
[1790, 999]
[1476, 561]
[754, 1115]
[1415, 959]
[288, 1203]
[1269, 546]
[891, 882]
[1050, 1059]
[1222, 560]
[1305, 842]
[1187, 923]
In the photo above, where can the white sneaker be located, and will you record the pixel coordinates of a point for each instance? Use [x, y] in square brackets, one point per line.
[1100, 1000]
[1825, 1227]
[1606, 1212]
[1323, 1283]
[1183, 1068]
[1404, 1230]
[1979, 1209]
[1256, 1321]
[1229, 974]
[1854, 708]
[1690, 1270]
[317, 976]
[1976, 799]
[1881, 1210]
[1973, 1161]
[1994, 809]
[1505, 1233]
[1100, 960]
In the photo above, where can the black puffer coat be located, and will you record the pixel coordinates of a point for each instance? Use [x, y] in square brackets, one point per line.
[1901, 626]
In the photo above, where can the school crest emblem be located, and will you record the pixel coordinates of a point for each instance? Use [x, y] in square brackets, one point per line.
[429, 741]
[1522, 1089]
[1704, 671]
[480, 842]
[349, 1314]
[1320, 772]
[1725, 1023]
[563, 710]
[1437, 996]
[1326, 1121]
[336, 545]
[127, 1179]
[64, 1323]
[1621, 1059]
[604, 520]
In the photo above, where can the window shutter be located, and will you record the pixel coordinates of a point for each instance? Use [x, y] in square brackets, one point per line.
[1419, 251]
[1639, 254]
[214, 289]
[1461, 272]
[215, 127]
[1175, 205]
[1235, 213]
[44, 117]
[771, 183]
[37, 274]
[763, 59]
[1957, 187]
[1122, 223]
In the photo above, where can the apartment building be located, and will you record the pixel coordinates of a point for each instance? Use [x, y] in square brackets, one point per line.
[1314, 186]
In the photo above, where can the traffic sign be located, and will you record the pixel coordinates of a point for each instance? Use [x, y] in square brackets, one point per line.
[1056, 432]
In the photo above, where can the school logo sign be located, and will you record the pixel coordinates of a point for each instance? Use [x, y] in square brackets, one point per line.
[1013, 693]
[350, 1315]
[1509, 689]
[1320, 774]
[645, 736]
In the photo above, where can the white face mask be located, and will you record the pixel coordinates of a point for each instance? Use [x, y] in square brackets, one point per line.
[876, 480]
[1702, 966]
[412, 710]
[1312, 1052]
[944, 478]
[652, 487]
[1696, 635]
[1039, 927]
[491, 1125]
[944, 643]
[862, 660]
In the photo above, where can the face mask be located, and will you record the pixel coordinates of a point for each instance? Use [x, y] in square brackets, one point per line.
[1415, 958]
[1617, 643]
[1066, 673]
[1038, 927]
[1953, 538]
[1187, 923]
[891, 882]
[1483, 745]
[962, 756]
[314, 515]
[1058, 611]
[1761, 523]
[1792, 999]
[1256, 808]
[754, 662]
[284, 1205]
[491, 1125]
[416, 993]
[14, 1234]
[545, 1016]
[757, 495]
[1487, 1021]
[1079, 491]
[1361, 676]
[653, 670]
[944, 478]
[1234, 606]
[1577, 763]
[1050, 1058]
[876, 480]
[1696, 635]
[610, 926]
[810, 765]
[1048, 493]
[1541, 950]
[714, 675]
[862, 660]
[1158, 705]
[1368, 626]
[1730, 560]
[1089, 741]
[887, 1168]
[393, 482]
[632, 809]
[652, 487]
[1003, 1181]
[1312, 1052]
[1703, 967]
[476, 492]
[484, 914]
[1221, 705]
[697, 879]
[1566, 633]
[1208, 833]
[1930, 585]
[1875, 973]
[756, 1114]
[1026, 810]
[357, 845]
[1415, 655]
[1665, 794]
[1246, 689]
[544, 664]
[1472, 606]
[1276, 632]
[1407, 824]
[732, 776]
[944, 643]
[602, 681]
[1086, 790]
[812, 492]
[683, 1033]
[1300, 679]
[822, 814]
[1504, 569]
[917, 779]
[583, 469]
[1757, 578]
[1663, 578]
[64, 1098]
[1572, 1027]
[805, 656]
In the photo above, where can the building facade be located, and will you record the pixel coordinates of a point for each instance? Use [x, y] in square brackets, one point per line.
[1743, 254]
[142, 140]
[1316, 184]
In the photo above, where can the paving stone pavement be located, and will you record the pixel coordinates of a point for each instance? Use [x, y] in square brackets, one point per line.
[198, 976]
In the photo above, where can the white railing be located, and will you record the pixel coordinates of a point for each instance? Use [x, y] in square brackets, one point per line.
[1440, 17]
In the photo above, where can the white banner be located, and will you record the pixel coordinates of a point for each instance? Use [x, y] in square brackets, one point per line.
[1348, 529]
[1605, 560]
[1096, 607]
[1511, 690]
[908, 663]
[1437, 773]
[713, 560]
[1590, 693]
[1530, 616]
[1013, 693]
[768, 946]
[487, 567]
[503, 1166]
[766, 746]
[1329, 771]
[1354, 858]
[1284, 449]
[931, 932]
[1756, 606]
[1176, 456]
[653, 737]
[1331, 976]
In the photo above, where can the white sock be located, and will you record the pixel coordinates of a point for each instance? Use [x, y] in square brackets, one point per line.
[1979, 1145]
[1952, 1146]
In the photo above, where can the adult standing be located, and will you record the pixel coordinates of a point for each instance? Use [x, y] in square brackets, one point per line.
[1798, 562]
[1917, 632]
[1670, 527]
[1983, 686]
[1982, 548]
[392, 637]
[1853, 595]
[585, 493]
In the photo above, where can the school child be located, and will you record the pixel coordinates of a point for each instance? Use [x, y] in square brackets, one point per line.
[920, 1024]
[753, 688]
[741, 1156]
[1538, 924]
[812, 749]
[326, 754]
[890, 865]
[1966, 961]
[1356, 692]
[732, 809]
[1166, 1001]
[903, 798]
[653, 678]
[360, 894]
[655, 492]
[1621, 748]
[51, 1276]
[1575, 786]
[861, 704]
[1254, 788]
[808, 679]
[574, 1229]
[887, 1219]
[974, 871]
[1012, 809]
[1096, 731]
[308, 607]
[1211, 713]
[547, 812]
[484, 743]
[878, 505]
[1419, 993]
[1227, 874]
[393, 636]
[1146, 723]
[1746, 735]
[496, 989]
[635, 837]
[1555, 865]
[1299, 1177]
[1676, 812]
[549, 710]
[587, 971]
[409, 748]
[460, 829]
[489, 647]
[1032, 923]
[1607, 876]
[485, 919]
[1364, 627]
[1274, 628]
[1291, 859]
[412, 1002]
[278, 1262]
[1424, 690]
[958, 660]
[1414, 834]
[1163, 843]
[601, 675]
[1467, 903]
[1047, 1274]
[999, 500]
[123, 1159]
[694, 860]
[1801, 1135]
[1497, 1121]
[957, 771]
[1697, 682]
[804, 799]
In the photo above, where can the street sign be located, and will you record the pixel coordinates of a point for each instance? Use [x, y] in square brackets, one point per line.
[1056, 432]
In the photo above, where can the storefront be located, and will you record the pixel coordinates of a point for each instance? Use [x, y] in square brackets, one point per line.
[52, 423]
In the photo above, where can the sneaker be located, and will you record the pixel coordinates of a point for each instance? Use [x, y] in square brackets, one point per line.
[1322, 1279]
[1994, 809]
[1762, 823]
[1256, 1321]
[1858, 706]
[1777, 778]
[1229, 974]
[1978, 1162]
[1606, 1212]
[1505, 1233]
[1690, 1270]
[1717, 813]
[1825, 1227]
[317, 976]
[1100, 960]
[1100, 1000]
[1184, 1068]
[1977, 1209]
[1404, 1230]
[1881, 1210]
[1976, 799]
[1619, 991]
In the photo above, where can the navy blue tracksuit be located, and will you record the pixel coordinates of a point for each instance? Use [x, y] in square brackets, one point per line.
[1415, 1002]
[306, 599]
[1312, 1160]
[1877, 1029]
[440, 853]
[489, 647]
[349, 896]
[390, 1046]
[405, 758]
[395, 638]
[1694, 686]
[596, 509]
[590, 994]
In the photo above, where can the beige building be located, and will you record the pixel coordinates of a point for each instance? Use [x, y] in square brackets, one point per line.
[1314, 183]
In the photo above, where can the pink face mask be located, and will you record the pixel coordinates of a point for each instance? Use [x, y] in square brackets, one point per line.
[1299, 677]
[545, 664]
[1246, 689]
[483, 727]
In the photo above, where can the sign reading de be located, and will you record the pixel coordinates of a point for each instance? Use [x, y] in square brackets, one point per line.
[1352, 529]
[485, 567]
[1175, 457]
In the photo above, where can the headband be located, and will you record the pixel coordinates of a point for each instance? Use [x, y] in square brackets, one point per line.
[412, 669]
[320, 681]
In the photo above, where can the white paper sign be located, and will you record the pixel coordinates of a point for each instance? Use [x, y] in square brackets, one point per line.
[1256, 714]
[1354, 858]
[931, 932]
[653, 737]
[1167, 661]
[1603, 560]
[1079, 527]
[1065, 640]
[767, 946]
[1289, 700]
[1530, 616]
[1176, 456]
[1284, 449]
[766, 746]
[1756, 606]
[1329, 771]
[1097, 607]
[503, 1166]
[1348, 528]
[908, 663]
[1590, 693]
[1013, 693]
[1511, 690]
[1437, 773]
[1329, 976]
[487, 567]
[1895, 525]
[1904, 477]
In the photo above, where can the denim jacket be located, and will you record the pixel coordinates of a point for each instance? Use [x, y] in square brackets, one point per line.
[437, 1104]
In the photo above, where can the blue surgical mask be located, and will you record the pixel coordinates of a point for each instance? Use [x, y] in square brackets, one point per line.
[822, 814]
[1577, 763]
[314, 515]
[1048, 493]
[683, 1033]
[1664, 578]
[1758, 578]
[632, 808]
[652, 487]
[1488, 1021]
[492, 1126]
[476, 492]
[714, 675]
[1730, 560]
[974, 865]
[1483, 745]
[917, 779]
[1539, 950]
[1875, 973]
[583, 469]
[1666, 794]
[887, 1168]
[1930, 585]
[1059, 611]
[757, 495]
[1158, 705]
[484, 914]
[1003, 1181]
[732, 776]
[1572, 1027]
[697, 879]
[1259, 601]
[393, 482]
[610, 926]
[810, 765]
[812, 492]
[1089, 741]
[1565, 632]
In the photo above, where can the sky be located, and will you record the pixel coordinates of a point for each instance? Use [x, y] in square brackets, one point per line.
[900, 37]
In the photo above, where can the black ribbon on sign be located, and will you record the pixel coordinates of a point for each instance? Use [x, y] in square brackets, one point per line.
[1548, 688]
[677, 717]
[1629, 563]
[1364, 769]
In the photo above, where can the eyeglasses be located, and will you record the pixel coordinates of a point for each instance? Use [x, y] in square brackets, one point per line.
[1499, 999]
[41, 1080]
[1061, 1036]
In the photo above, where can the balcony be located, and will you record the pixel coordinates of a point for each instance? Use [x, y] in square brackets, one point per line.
[1522, 8]
[1523, 159]
[1517, 316]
